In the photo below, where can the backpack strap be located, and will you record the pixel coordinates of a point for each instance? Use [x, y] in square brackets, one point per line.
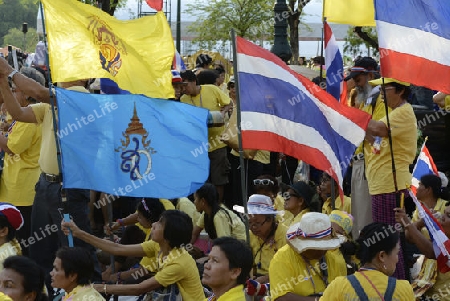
[392, 282]
[358, 288]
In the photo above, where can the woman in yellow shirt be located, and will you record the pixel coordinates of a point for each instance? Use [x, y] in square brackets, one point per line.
[217, 220]
[11, 220]
[72, 270]
[175, 268]
[228, 267]
[379, 248]
[297, 201]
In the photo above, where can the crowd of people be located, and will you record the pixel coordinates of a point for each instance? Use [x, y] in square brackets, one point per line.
[295, 240]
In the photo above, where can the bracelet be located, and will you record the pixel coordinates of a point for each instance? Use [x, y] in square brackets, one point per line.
[104, 288]
[118, 277]
[120, 221]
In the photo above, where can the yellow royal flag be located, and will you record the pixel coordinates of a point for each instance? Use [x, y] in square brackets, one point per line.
[353, 12]
[85, 42]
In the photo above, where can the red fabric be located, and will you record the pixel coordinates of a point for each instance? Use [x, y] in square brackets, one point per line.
[155, 4]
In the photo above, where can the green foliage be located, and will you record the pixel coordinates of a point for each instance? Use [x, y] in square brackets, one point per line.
[13, 13]
[353, 43]
[15, 37]
[251, 19]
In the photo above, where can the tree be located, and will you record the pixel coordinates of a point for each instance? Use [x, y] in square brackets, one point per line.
[15, 37]
[357, 37]
[295, 11]
[15, 12]
[251, 19]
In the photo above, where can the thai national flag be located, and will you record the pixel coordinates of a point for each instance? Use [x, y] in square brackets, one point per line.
[178, 63]
[441, 243]
[333, 63]
[283, 111]
[424, 166]
[414, 39]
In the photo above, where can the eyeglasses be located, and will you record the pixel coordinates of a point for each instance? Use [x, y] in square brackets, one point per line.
[288, 195]
[256, 225]
[263, 182]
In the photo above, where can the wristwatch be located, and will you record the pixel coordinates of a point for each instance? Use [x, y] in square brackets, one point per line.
[10, 77]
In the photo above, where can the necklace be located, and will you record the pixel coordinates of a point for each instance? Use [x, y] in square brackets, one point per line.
[373, 286]
[309, 268]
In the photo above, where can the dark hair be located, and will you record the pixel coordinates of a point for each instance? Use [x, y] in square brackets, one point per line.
[203, 59]
[220, 69]
[435, 183]
[268, 188]
[239, 255]
[209, 193]
[33, 275]
[229, 84]
[155, 209]
[188, 75]
[76, 260]
[399, 88]
[177, 228]
[5, 223]
[207, 77]
[374, 238]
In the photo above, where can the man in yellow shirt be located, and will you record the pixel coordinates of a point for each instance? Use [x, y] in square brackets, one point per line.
[403, 127]
[304, 267]
[46, 214]
[22, 144]
[212, 98]
[325, 194]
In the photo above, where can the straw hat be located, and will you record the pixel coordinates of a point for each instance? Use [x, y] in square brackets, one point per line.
[313, 232]
[258, 204]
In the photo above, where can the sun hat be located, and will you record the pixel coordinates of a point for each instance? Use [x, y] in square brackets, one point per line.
[12, 214]
[387, 80]
[313, 232]
[343, 219]
[258, 204]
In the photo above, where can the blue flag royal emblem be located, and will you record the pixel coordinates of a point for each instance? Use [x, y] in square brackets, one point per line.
[135, 149]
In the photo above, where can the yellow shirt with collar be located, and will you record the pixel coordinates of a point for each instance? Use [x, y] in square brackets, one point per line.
[21, 171]
[346, 205]
[439, 207]
[185, 205]
[440, 290]
[213, 99]
[404, 139]
[235, 229]
[263, 255]
[234, 294]
[179, 267]
[289, 273]
[294, 219]
[83, 293]
[342, 290]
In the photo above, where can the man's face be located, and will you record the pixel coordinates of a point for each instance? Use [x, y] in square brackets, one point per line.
[179, 89]
[190, 88]
[361, 79]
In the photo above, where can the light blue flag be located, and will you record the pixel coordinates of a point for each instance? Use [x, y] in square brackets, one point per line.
[131, 145]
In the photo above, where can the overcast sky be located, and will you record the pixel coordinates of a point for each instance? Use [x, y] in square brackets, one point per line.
[313, 10]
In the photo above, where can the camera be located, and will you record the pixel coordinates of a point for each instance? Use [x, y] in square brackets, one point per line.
[16, 58]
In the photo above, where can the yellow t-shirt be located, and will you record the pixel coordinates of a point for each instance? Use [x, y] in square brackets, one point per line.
[222, 224]
[378, 112]
[440, 207]
[404, 139]
[343, 206]
[211, 98]
[294, 219]
[261, 156]
[264, 252]
[21, 171]
[48, 159]
[447, 102]
[179, 267]
[8, 249]
[234, 294]
[185, 205]
[289, 273]
[83, 293]
[4, 297]
[440, 290]
[151, 250]
[341, 289]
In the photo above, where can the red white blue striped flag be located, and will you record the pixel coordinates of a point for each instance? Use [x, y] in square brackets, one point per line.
[283, 111]
[424, 166]
[414, 39]
[333, 63]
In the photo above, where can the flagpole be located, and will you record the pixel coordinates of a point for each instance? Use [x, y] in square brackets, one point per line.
[239, 135]
[55, 127]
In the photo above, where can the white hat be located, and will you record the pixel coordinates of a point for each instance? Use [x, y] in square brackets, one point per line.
[312, 232]
[258, 204]
[444, 179]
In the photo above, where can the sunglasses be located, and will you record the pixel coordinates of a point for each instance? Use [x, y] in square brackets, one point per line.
[263, 182]
[287, 195]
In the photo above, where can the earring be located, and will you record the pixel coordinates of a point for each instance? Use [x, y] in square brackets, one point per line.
[384, 267]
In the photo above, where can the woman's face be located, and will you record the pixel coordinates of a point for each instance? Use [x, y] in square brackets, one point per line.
[59, 278]
[291, 200]
[260, 225]
[217, 273]
[157, 234]
[199, 203]
[422, 192]
[11, 284]
[390, 260]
